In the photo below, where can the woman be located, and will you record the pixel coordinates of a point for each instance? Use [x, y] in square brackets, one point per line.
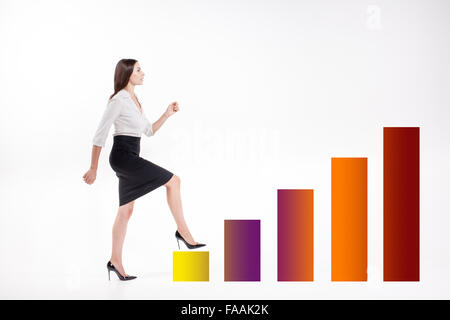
[137, 176]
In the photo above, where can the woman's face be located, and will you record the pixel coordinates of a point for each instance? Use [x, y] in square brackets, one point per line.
[137, 77]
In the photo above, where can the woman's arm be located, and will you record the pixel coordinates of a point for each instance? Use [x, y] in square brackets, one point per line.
[171, 109]
[156, 125]
[152, 128]
[110, 114]
[95, 155]
[90, 176]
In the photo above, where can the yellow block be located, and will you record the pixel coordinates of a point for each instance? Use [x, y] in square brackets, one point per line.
[191, 266]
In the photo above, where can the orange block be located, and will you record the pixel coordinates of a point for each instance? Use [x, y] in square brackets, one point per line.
[349, 219]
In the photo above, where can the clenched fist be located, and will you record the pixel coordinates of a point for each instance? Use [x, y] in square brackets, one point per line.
[90, 175]
[172, 108]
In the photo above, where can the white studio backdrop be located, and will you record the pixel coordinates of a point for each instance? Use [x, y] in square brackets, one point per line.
[268, 92]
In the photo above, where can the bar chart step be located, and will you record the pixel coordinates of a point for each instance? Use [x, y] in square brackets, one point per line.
[191, 266]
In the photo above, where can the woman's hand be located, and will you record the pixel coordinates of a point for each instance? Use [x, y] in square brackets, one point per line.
[171, 109]
[90, 175]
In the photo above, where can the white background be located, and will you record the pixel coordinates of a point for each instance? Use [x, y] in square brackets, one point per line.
[268, 92]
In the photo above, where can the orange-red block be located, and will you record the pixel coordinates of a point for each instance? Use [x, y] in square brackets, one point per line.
[349, 219]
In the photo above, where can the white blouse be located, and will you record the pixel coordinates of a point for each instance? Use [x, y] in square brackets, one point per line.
[128, 120]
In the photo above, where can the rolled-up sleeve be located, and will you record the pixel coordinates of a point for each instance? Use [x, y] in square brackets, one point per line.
[110, 114]
[148, 130]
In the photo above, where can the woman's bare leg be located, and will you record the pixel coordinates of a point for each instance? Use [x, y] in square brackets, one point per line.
[174, 200]
[118, 235]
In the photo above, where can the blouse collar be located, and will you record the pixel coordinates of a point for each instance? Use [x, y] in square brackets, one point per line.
[124, 93]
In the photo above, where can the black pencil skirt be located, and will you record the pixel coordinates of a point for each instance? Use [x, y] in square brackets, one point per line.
[137, 176]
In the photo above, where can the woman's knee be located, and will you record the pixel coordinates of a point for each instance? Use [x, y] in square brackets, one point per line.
[174, 181]
[127, 209]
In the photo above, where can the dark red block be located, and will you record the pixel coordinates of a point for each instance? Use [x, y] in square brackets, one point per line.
[401, 203]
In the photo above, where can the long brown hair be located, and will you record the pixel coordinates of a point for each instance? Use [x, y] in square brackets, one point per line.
[124, 69]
